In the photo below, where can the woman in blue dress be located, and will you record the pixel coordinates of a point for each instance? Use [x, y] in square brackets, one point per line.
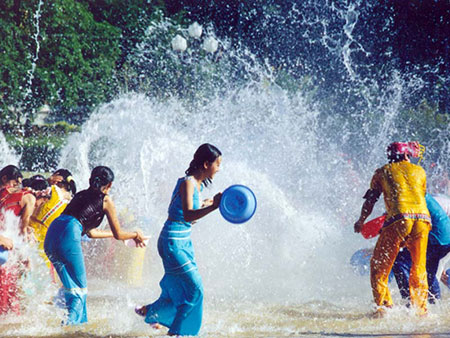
[180, 305]
[62, 242]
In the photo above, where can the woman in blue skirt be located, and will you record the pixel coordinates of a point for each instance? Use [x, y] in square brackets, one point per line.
[62, 243]
[180, 305]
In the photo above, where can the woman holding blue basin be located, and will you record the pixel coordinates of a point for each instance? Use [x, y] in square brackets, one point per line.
[180, 306]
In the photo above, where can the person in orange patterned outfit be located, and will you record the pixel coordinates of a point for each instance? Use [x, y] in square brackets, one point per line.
[403, 185]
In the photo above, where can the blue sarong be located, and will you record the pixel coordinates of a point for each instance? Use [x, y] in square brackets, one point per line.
[63, 247]
[180, 306]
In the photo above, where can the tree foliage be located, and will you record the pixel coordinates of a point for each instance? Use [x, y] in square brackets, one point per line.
[15, 61]
[57, 54]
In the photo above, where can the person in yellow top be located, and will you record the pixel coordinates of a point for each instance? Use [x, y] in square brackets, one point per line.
[403, 185]
[63, 187]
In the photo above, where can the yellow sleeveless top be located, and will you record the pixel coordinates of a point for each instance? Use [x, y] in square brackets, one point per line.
[48, 211]
[403, 185]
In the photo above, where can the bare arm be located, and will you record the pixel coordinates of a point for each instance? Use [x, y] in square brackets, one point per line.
[116, 231]
[97, 233]
[6, 243]
[371, 197]
[366, 210]
[27, 203]
[187, 202]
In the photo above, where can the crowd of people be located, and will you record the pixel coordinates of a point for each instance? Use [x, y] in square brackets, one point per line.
[40, 204]
[53, 217]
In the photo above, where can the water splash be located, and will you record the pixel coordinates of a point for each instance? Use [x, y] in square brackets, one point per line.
[272, 148]
[308, 167]
[34, 282]
[35, 57]
[8, 155]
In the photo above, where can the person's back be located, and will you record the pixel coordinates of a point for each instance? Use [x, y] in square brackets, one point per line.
[408, 223]
[403, 185]
[47, 212]
[87, 208]
[440, 231]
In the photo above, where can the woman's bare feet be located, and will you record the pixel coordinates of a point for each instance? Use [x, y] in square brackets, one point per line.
[141, 310]
[379, 313]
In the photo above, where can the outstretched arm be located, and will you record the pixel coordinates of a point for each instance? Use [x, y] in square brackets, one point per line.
[116, 231]
[27, 203]
[6, 243]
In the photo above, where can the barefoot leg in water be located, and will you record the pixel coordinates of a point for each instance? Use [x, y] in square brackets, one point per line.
[142, 311]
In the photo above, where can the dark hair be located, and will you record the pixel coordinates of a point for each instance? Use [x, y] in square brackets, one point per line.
[11, 172]
[26, 182]
[396, 157]
[69, 182]
[36, 182]
[100, 176]
[205, 153]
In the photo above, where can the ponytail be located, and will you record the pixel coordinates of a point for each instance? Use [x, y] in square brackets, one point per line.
[205, 153]
[100, 176]
[193, 167]
[36, 182]
[69, 182]
[72, 185]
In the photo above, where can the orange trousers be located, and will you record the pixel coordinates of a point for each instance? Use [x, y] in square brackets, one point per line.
[413, 234]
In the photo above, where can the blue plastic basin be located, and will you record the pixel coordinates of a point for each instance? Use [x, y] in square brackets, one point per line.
[238, 204]
[3, 256]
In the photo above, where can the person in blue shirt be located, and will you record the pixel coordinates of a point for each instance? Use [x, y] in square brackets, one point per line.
[438, 247]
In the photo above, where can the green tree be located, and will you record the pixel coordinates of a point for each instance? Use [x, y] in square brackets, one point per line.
[78, 61]
[15, 60]
[132, 17]
[75, 68]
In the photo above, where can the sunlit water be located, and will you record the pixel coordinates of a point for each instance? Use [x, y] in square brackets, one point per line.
[8, 156]
[286, 272]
